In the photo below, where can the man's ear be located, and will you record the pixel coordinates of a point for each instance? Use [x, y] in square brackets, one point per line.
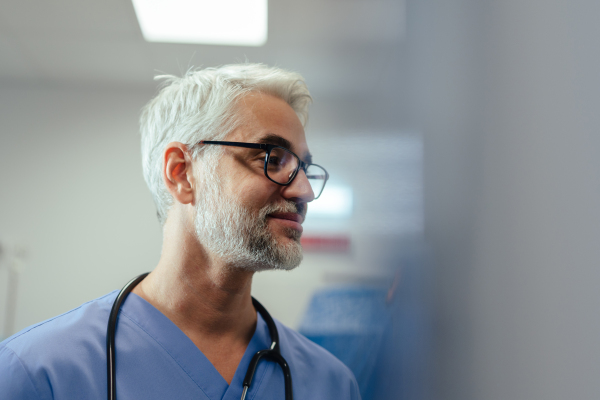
[178, 172]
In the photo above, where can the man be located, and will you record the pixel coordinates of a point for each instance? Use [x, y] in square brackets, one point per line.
[189, 329]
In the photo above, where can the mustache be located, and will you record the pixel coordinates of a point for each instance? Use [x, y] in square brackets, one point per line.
[285, 207]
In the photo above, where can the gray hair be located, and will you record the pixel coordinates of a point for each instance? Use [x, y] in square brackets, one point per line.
[202, 105]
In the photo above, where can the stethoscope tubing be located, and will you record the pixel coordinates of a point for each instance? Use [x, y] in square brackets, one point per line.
[111, 353]
[273, 353]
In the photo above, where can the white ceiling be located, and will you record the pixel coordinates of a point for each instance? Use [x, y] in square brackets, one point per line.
[340, 46]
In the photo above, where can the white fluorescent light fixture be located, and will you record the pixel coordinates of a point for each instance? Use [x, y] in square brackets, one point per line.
[220, 22]
[335, 201]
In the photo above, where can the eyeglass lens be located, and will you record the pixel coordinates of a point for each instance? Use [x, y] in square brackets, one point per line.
[282, 164]
[317, 178]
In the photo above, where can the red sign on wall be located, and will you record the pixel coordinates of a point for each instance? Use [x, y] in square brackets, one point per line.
[331, 244]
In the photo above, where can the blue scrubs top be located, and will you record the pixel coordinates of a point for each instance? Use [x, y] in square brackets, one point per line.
[65, 358]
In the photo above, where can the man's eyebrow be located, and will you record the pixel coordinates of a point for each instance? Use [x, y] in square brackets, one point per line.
[277, 140]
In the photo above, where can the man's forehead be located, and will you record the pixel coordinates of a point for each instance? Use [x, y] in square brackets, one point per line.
[271, 120]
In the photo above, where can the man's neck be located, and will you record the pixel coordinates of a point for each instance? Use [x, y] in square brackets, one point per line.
[210, 302]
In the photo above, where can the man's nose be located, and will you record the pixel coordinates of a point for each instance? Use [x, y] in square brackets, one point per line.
[299, 188]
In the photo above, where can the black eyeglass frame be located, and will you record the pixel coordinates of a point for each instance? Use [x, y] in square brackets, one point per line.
[268, 148]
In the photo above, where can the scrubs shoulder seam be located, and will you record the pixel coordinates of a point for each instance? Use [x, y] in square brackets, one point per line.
[6, 348]
[166, 351]
[32, 327]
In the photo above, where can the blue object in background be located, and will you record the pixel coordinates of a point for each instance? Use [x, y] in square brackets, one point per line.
[350, 322]
[385, 340]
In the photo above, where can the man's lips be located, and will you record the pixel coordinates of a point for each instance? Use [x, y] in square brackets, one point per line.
[289, 216]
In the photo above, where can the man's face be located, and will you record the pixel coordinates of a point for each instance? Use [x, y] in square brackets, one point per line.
[242, 216]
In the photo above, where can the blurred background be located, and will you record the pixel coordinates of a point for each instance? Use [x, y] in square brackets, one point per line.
[453, 256]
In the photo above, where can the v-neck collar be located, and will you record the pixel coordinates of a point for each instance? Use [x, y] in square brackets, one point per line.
[191, 360]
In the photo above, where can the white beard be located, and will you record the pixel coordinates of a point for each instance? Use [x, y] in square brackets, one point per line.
[240, 235]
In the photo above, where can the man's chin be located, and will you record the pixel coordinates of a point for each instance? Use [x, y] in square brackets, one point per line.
[285, 252]
[285, 260]
[292, 234]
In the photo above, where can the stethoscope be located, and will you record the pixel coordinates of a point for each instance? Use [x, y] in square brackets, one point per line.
[272, 353]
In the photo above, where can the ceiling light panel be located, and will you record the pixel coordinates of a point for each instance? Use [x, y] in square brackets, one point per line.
[222, 22]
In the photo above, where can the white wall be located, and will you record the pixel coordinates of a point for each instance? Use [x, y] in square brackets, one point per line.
[73, 194]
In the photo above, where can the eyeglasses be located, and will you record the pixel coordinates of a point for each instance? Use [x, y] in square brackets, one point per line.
[282, 166]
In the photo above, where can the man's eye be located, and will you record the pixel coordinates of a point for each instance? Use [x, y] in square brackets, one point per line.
[273, 160]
